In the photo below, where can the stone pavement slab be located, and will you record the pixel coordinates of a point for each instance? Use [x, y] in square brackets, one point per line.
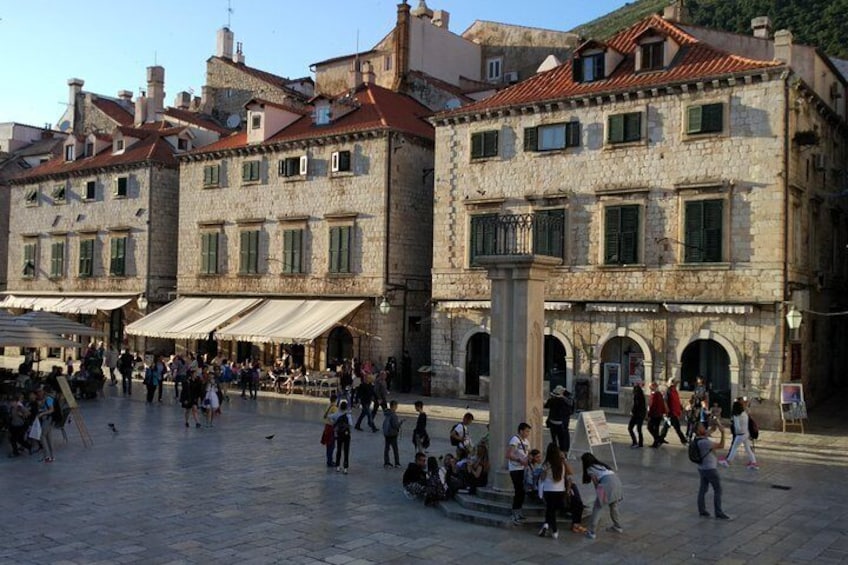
[157, 492]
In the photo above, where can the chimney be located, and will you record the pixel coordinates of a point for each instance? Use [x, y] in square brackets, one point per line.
[761, 27]
[140, 109]
[422, 11]
[125, 98]
[401, 45]
[783, 46]
[183, 100]
[207, 99]
[74, 88]
[441, 18]
[355, 74]
[155, 93]
[676, 13]
[368, 75]
[224, 48]
[239, 58]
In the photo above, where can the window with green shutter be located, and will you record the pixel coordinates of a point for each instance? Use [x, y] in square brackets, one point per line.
[621, 235]
[483, 236]
[552, 137]
[707, 118]
[86, 258]
[211, 175]
[623, 128]
[118, 257]
[29, 260]
[703, 223]
[57, 259]
[250, 171]
[549, 233]
[293, 251]
[484, 144]
[249, 252]
[209, 253]
[340, 240]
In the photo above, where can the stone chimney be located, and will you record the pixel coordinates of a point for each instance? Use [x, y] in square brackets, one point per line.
[401, 45]
[676, 13]
[125, 96]
[355, 74]
[224, 48]
[441, 18]
[155, 93]
[74, 88]
[368, 75]
[140, 109]
[239, 57]
[422, 11]
[783, 46]
[182, 100]
[761, 27]
[207, 99]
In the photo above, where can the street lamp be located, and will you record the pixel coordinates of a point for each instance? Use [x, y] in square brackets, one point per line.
[793, 320]
[141, 301]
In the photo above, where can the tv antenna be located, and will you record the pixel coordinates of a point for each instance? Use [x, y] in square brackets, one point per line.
[229, 12]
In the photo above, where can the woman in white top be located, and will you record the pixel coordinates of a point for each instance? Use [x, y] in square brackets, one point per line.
[211, 401]
[741, 436]
[553, 487]
[608, 492]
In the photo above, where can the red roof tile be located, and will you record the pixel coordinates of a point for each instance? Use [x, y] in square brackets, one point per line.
[121, 115]
[379, 109]
[195, 118]
[695, 61]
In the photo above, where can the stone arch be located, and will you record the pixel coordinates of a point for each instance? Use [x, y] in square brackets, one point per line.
[569, 355]
[462, 352]
[620, 331]
[732, 354]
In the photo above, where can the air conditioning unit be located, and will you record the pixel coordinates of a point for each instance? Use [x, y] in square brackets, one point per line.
[820, 161]
[511, 77]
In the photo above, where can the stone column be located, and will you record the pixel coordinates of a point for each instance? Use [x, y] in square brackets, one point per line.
[516, 353]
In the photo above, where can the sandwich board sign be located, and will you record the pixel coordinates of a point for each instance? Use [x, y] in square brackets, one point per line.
[592, 429]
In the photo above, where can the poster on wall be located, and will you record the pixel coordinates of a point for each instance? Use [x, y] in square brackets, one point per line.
[791, 393]
[612, 378]
[636, 368]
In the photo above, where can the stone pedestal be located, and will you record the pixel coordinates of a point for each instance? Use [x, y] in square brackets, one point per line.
[516, 353]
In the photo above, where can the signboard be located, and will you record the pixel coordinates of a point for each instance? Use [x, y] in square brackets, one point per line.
[66, 391]
[612, 378]
[793, 410]
[636, 368]
[592, 426]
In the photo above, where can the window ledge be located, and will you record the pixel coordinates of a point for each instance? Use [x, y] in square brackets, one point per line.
[294, 275]
[55, 277]
[704, 266]
[210, 186]
[341, 275]
[249, 275]
[623, 267]
[208, 275]
[541, 153]
[84, 277]
[60, 202]
[689, 137]
[625, 144]
[251, 182]
[113, 276]
[119, 196]
[294, 178]
[87, 200]
[341, 174]
[477, 160]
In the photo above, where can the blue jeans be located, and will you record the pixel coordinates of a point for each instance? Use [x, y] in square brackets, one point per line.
[709, 477]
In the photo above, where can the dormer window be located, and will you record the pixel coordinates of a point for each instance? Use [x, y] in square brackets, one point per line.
[183, 145]
[256, 121]
[119, 145]
[652, 55]
[89, 149]
[589, 68]
[69, 153]
[322, 115]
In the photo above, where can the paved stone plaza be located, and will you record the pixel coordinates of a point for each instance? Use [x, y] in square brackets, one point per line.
[157, 492]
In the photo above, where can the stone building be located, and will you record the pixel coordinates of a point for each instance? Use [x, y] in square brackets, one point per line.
[92, 230]
[691, 181]
[294, 231]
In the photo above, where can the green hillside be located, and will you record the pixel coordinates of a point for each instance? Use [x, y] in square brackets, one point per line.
[822, 23]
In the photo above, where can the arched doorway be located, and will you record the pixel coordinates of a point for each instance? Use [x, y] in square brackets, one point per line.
[707, 358]
[555, 363]
[622, 362]
[339, 345]
[476, 362]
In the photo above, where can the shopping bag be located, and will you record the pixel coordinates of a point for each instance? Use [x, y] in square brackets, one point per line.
[35, 430]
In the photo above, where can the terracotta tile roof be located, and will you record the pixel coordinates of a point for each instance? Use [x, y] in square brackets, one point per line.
[270, 78]
[695, 60]
[196, 119]
[121, 115]
[441, 84]
[379, 109]
[152, 148]
[287, 107]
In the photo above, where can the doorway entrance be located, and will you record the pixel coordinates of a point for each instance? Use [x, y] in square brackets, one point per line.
[554, 364]
[707, 358]
[476, 362]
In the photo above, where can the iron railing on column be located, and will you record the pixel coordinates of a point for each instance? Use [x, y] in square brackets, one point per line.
[517, 234]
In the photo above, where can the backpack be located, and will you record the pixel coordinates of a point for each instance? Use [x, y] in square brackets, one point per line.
[453, 440]
[695, 455]
[753, 428]
[342, 426]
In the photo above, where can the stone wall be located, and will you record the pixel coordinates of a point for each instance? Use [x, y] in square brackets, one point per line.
[231, 87]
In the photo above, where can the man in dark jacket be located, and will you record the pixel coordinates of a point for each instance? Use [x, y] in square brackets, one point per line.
[637, 415]
[415, 477]
[125, 367]
[391, 430]
[559, 412]
[365, 392]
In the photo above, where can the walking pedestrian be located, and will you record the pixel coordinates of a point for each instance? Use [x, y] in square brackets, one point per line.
[708, 471]
[151, 381]
[125, 367]
[741, 435]
[637, 415]
[559, 412]
[517, 452]
[656, 414]
[45, 416]
[189, 398]
[342, 422]
[328, 439]
[553, 488]
[675, 410]
[391, 430]
[608, 493]
[420, 437]
[365, 392]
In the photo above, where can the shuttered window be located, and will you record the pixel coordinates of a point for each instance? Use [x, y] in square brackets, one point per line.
[211, 175]
[293, 251]
[209, 253]
[623, 128]
[29, 260]
[549, 233]
[707, 118]
[249, 252]
[703, 223]
[588, 68]
[483, 236]
[340, 240]
[621, 235]
[118, 257]
[86, 258]
[57, 259]
[484, 144]
[250, 171]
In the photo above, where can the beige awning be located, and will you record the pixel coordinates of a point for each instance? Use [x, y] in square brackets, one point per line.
[190, 317]
[739, 309]
[88, 304]
[289, 321]
[486, 305]
[621, 307]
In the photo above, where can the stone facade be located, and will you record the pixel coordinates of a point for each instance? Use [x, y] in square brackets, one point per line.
[607, 313]
[385, 197]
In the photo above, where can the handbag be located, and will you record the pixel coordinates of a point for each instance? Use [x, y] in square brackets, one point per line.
[327, 435]
[35, 430]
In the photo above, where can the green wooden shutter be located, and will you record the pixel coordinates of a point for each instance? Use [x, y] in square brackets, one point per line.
[633, 126]
[713, 223]
[244, 249]
[712, 116]
[245, 171]
[615, 133]
[598, 61]
[629, 235]
[531, 139]
[612, 228]
[693, 226]
[694, 119]
[297, 245]
[490, 143]
[344, 249]
[476, 145]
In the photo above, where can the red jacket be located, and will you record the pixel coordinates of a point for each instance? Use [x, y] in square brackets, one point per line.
[657, 407]
[674, 407]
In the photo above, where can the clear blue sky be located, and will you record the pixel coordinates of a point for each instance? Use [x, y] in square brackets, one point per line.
[109, 43]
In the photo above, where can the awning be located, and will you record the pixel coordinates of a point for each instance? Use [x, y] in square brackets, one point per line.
[740, 309]
[486, 305]
[67, 305]
[621, 307]
[190, 317]
[289, 321]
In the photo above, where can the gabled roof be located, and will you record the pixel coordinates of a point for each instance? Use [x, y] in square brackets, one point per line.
[151, 148]
[114, 110]
[344, 57]
[696, 60]
[270, 78]
[378, 109]
[199, 120]
[442, 85]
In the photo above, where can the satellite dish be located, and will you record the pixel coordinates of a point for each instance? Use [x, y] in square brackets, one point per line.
[453, 104]
[233, 121]
[65, 125]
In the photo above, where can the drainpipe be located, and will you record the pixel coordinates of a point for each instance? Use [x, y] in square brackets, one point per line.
[786, 293]
[388, 205]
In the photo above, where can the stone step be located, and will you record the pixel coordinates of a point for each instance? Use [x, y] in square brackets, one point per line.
[455, 511]
[531, 509]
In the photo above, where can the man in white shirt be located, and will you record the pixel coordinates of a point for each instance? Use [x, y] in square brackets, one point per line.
[517, 452]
